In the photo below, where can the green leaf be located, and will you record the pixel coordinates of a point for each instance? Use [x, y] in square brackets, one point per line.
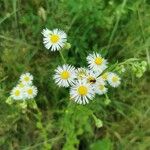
[104, 144]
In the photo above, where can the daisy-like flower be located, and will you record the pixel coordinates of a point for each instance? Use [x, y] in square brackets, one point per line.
[100, 87]
[64, 75]
[96, 62]
[21, 85]
[26, 79]
[81, 73]
[30, 92]
[82, 92]
[114, 80]
[55, 39]
[104, 76]
[17, 93]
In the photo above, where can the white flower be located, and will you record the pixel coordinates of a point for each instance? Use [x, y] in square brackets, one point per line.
[105, 75]
[30, 92]
[114, 80]
[100, 87]
[64, 75]
[17, 93]
[81, 73]
[21, 85]
[26, 79]
[96, 62]
[81, 92]
[55, 39]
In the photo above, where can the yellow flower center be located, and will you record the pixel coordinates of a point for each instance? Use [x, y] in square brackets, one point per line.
[82, 90]
[65, 75]
[54, 38]
[101, 87]
[26, 79]
[30, 91]
[115, 79]
[21, 85]
[99, 60]
[105, 76]
[17, 93]
[81, 74]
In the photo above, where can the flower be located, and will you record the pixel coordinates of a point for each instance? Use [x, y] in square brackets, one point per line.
[81, 92]
[64, 75]
[30, 92]
[24, 89]
[114, 80]
[81, 73]
[21, 85]
[104, 76]
[26, 79]
[17, 93]
[100, 87]
[55, 39]
[96, 62]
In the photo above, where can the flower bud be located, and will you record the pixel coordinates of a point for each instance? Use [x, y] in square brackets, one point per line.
[9, 101]
[99, 123]
[67, 46]
[107, 101]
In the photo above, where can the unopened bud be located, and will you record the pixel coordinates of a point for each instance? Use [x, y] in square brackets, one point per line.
[107, 101]
[9, 101]
[67, 46]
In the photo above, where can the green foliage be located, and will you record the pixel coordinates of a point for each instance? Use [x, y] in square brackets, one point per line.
[120, 30]
[104, 144]
[139, 68]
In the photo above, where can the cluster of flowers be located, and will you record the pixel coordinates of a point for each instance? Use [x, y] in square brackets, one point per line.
[25, 89]
[84, 83]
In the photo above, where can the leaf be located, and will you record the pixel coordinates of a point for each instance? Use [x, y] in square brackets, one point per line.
[104, 144]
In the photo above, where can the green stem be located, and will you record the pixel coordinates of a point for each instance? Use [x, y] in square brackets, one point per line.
[106, 96]
[143, 36]
[41, 127]
[61, 54]
[116, 25]
[129, 61]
